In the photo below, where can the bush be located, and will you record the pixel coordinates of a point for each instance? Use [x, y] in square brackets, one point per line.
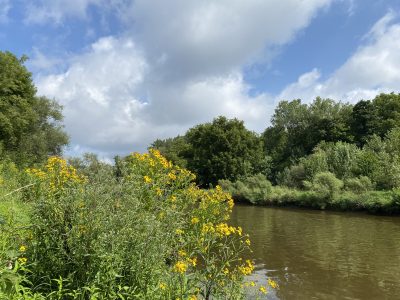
[325, 183]
[254, 189]
[358, 185]
[293, 177]
[151, 234]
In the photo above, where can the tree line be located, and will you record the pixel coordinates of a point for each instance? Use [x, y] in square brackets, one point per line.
[322, 154]
[310, 147]
[225, 149]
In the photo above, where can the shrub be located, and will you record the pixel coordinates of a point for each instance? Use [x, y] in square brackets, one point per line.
[293, 177]
[151, 234]
[358, 185]
[325, 184]
[254, 189]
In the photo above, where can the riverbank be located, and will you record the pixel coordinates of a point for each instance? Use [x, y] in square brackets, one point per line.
[375, 202]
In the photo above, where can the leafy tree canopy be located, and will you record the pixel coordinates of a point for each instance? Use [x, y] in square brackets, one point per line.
[30, 126]
[224, 149]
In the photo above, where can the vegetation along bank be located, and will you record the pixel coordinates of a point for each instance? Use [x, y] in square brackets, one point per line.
[324, 155]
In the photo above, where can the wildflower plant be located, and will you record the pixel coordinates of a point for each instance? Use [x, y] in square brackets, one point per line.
[149, 233]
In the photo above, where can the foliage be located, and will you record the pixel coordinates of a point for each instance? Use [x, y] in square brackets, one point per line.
[30, 126]
[149, 234]
[359, 184]
[224, 149]
[325, 184]
[174, 149]
[378, 116]
[254, 188]
[297, 128]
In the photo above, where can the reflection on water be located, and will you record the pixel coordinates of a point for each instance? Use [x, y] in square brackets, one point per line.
[324, 255]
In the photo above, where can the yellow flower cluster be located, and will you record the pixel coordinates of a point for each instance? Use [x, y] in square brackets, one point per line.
[171, 176]
[58, 173]
[180, 267]
[263, 290]
[273, 283]
[182, 253]
[192, 261]
[223, 229]
[179, 231]
[36, 172]
[195, 220]
[22, 260]
[247, 269]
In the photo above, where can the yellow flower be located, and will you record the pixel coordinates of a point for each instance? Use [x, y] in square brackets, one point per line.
[159, 192]
[180, 267]
[246, 269]
[193, 261]
[273, 283]
[263, 290]
[239, 230]
[247, 242]
[195, 220]
[163, 286]
[173, 198]
[252, 283]
[179, 231]
[192, 297]
[207, 228]
[182, 253]
[147, 179]
[231, 204]
[226, 271]
[22, 260]
[172, 176]
[22, 248]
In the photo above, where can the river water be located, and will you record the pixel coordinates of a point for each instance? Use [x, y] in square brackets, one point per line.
[323, 255]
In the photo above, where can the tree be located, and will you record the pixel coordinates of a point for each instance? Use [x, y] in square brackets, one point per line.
[30, 126]
[378, 117]
[362, 118]
[224, 149]
[298, 128]
[387, 110]
[174, 149]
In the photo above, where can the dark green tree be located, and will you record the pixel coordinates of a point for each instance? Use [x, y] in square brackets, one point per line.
[174, 149]
[362, 121]
[387, 113]
[30, 126]
[224, 149]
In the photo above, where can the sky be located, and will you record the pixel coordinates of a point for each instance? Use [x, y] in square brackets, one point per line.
[129, 72]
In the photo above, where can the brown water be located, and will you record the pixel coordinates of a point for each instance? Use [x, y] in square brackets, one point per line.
[323, 255]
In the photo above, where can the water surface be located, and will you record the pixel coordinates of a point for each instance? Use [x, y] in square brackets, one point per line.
[323, 255]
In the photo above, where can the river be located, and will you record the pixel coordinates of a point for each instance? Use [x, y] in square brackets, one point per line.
[321, 254]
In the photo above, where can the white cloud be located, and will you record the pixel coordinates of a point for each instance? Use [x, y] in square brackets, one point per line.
[54, 11]
[5, 7]
[179, 65]
[98, 92]
[372, 69]
[207, 38]
[109, 107]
